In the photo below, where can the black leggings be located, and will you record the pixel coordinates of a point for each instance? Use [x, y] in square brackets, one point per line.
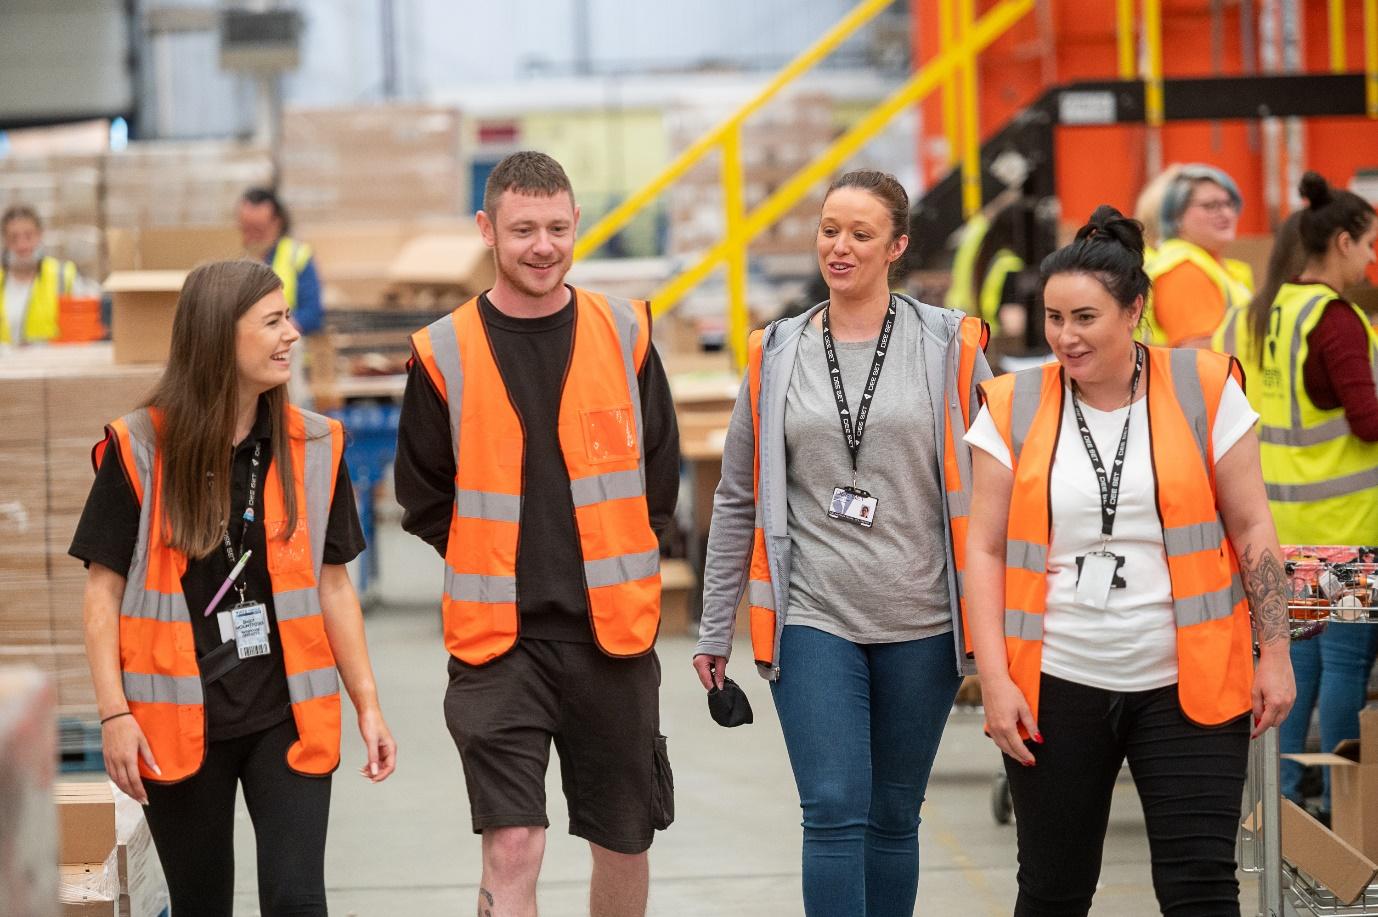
[192, 823]
[1190, 780]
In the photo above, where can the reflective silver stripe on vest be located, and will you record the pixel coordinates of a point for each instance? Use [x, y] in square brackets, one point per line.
[445, 351]
[319, 478]
[614, 485]
[313, 683]
[1210, 606]
[1186, 384]
[483, 504]
[144, 688]
[1293, 368]
[1335, 428]
[1028, 390]
[959, 501]
[626, 568]
[1025, 555]
[1324, 490]
[1231, 339]
[297, 603]
[1181, 540]
[137, 601]
[479, 587]
[624, 319]
[1023, 625]
[760, 594]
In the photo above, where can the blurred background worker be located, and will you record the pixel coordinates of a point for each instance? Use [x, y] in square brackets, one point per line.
[1193, 283]
[264, 225]
[1319, 439]
[30, 281]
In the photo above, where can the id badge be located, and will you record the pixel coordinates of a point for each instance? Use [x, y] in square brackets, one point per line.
[1095, 578]
[854, 505]
[250, 622]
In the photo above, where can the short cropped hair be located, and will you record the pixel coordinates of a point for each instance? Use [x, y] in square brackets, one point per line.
[527, 172]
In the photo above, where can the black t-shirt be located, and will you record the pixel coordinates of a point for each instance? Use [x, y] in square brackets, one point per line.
[253, 695]
[532, 356]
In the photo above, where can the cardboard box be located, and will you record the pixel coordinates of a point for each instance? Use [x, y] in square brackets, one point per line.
[128, 881]
[172, 247]
[141, 320]
[1353, 784]
[460, 260]
[1319, 853]
[86, 821]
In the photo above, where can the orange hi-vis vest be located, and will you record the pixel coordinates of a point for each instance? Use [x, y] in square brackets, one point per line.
[602, 443]
[1214, 636]
[972, 337]
[162, 678]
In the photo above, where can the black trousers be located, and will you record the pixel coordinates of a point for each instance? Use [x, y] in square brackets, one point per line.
[192, 823]
[1190, 780]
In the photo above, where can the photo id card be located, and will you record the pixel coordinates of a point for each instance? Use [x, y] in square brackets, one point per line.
[1096, 576]
[250, 622]
[854, 505]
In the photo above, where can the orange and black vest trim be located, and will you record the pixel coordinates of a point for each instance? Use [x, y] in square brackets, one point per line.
[1214, 635]
[162, 678]
[601, 439]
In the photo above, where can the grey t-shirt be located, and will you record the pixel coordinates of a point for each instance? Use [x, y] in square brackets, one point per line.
[887, 583]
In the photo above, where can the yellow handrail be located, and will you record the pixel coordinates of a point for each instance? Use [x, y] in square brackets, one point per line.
[949, 106]
[623, 214]
[971, 141]
[1153, 79]
[1124, 31]
[1371, 56]
[990, 27]
[1337, 36]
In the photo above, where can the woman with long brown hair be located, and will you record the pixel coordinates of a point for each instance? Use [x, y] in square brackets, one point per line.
[219, 615]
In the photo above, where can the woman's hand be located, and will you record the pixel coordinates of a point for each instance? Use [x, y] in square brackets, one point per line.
[123, 744]
[378, 743]
[1006, 708]
[712, 670]
[1274, 688]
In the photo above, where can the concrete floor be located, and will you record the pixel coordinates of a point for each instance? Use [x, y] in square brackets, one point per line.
[404, 847]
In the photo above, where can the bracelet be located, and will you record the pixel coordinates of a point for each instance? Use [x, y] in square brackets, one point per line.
[115, 716]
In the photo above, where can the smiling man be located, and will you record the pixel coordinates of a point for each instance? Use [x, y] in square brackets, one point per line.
[538, 454]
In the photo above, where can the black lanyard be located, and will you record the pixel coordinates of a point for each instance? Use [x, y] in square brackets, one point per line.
[248, 515]
[1109, 485]
[864, 408]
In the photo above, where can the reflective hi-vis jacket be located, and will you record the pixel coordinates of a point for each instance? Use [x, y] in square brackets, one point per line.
[602, 443]
[1233, 278]
[162, 678]
[290, 258]
[1322, 480]
[54, 279]
[1214, 636]
[1234, 337]
[750, 511]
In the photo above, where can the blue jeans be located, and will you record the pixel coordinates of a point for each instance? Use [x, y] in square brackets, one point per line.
[1347, 652]
[862, 724]
[1306, 669]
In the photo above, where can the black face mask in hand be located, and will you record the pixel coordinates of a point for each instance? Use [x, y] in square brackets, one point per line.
[728, 705]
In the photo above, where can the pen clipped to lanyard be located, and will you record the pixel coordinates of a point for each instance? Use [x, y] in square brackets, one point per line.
[229, 581]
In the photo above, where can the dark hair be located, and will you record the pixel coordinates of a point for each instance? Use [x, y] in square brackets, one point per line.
[260, 196]
[19, 212]
[1328, 211]
[197, 396]
[1110, 247]
[527, 172]
[886, 188]
[1285, 261]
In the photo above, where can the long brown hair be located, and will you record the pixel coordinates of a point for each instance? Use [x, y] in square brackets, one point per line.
[198, 396]
[1285, 261]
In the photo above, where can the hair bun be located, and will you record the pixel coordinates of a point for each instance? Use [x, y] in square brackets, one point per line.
[1315, 189]
[1108, 224]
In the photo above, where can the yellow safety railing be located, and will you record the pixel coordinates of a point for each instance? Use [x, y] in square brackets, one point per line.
[954, 65]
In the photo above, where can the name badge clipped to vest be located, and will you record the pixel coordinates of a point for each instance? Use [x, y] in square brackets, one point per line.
[250, 623]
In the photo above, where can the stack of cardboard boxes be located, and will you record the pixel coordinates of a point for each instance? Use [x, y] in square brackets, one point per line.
[181, 184]
[109, 867]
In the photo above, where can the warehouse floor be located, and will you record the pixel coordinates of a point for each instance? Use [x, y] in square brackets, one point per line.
[404, 847]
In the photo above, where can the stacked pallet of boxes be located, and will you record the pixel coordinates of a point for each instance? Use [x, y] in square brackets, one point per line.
[182, 183]
[108, 864]
[65, 191]
[54, 403]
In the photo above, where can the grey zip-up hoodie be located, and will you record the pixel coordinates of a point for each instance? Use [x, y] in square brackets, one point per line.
[727, 568]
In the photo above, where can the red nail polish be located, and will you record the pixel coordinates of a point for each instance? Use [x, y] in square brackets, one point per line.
[1038, 737]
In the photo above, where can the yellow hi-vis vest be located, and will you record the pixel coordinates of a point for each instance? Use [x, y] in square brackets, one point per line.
[1322, 480]
[960, 291]
[1234, 278]
[54, 279]
[289, 260]
[1001, 267]
[1232, 336]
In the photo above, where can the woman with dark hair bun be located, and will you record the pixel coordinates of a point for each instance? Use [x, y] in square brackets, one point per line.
[1319, 408]
[1121, 561]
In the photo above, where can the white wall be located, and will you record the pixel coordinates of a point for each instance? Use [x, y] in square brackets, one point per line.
[64, 58]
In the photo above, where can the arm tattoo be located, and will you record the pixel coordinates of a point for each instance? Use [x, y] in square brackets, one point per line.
[485, 902]
[1268, 590]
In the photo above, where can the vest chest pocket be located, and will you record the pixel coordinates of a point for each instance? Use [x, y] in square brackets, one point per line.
[609, 434]
[292, 554]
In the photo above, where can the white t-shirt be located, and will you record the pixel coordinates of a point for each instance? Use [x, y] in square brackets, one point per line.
[17, 305]
[1132, 644]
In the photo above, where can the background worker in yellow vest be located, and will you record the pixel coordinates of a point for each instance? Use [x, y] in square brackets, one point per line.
[1193, 283]
[537, 452]
[217, 644]
[264, 225]
[30, 281]
[1320, 439]
[1118, 509]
